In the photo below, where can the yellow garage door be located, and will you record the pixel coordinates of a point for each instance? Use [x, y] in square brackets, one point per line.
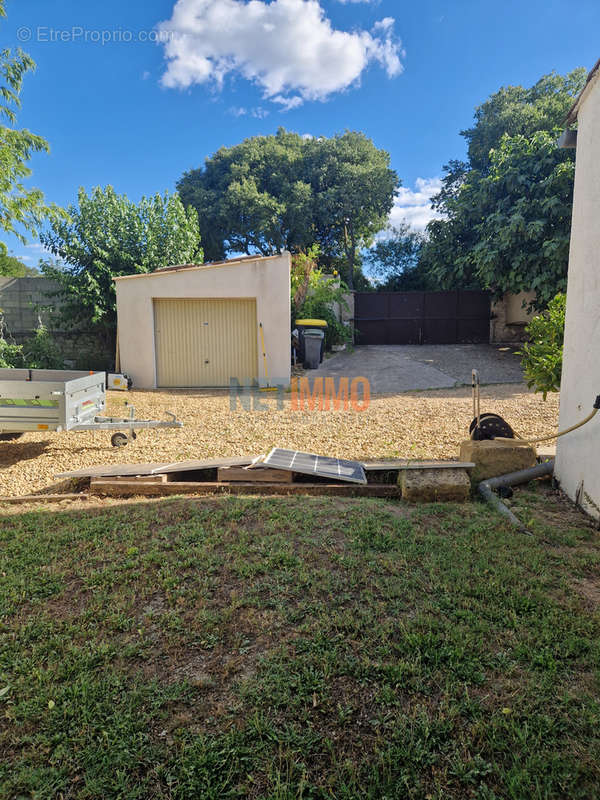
[204, 342]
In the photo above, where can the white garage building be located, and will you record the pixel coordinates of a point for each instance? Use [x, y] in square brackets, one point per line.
[199, 325]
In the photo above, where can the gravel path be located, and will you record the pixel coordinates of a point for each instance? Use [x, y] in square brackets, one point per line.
[416, 425]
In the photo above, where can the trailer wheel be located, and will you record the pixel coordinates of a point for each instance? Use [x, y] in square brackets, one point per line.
[9, 437]
[119, 439]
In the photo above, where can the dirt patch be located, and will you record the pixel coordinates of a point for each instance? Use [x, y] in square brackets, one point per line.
[589, 588]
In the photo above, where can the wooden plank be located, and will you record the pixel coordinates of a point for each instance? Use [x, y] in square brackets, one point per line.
[42, 498]
[115, 470]
[133, 488]
[405, 463]
[135, 479]
[265, 475]
[193, 465]
[112, 470]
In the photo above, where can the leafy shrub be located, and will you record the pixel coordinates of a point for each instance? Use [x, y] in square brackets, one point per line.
[542, 355]
[40, 351]
[314, 296]
[11, 355]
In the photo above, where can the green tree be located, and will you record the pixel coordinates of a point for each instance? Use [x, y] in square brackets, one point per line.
[12, 267]
[354, 188]
[271, 193]
[21, 209]
[525, 200]
[507, 209]
[515, 110]
[394, 261]
[107, 235]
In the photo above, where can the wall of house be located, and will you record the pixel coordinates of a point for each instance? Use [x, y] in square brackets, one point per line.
[266, 279]
[577, 462]
[509, 317]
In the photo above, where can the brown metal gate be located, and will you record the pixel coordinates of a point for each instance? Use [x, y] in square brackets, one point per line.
[459, 317]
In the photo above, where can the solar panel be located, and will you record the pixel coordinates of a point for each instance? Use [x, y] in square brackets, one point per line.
[311, 464]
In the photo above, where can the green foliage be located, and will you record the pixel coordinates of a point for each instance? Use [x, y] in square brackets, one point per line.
[11, 354]
[517, 111]
[303, 265]
[12, 267]
[41, 352]
[543, 354]
[507, 211]
[271, 193]
[323, 295]
[107, 235]
[394, 261]
[316, 295]
[37, 352]
[519, 220]
[20, 208]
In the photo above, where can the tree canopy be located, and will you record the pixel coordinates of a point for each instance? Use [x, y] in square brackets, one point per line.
[108, 235]
[394, 261]
[21, 209]
[271, 193]
[12, 267]
[507, 210]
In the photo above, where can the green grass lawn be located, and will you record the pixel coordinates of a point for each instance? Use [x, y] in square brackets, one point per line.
[299, 648]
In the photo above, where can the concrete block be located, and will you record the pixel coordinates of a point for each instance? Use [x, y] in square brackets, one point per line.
[493, 457]
[434, 485]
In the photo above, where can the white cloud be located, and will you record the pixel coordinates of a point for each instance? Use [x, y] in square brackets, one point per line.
[36, 250]
[258, 112]
[414, 205]
[288, 48]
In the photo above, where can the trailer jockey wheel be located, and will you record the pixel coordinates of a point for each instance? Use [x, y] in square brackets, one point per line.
[119, 439]
[491, 426]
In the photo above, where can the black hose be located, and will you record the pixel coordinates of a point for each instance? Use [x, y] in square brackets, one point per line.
[486, 489]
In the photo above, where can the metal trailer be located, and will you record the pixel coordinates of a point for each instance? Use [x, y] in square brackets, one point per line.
[64, 400]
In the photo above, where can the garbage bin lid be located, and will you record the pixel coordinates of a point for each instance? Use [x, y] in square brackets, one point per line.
[311, 333]
[315, 323]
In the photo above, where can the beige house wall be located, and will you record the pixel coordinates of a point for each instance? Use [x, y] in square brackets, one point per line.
[578, 454]
[265, 279]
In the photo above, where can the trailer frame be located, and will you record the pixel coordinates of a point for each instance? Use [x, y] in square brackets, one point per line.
[64, 400]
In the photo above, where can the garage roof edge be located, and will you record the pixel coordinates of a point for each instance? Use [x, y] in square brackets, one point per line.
[208, 265]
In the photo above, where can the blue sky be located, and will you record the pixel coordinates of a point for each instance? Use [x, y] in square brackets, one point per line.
[136, 112]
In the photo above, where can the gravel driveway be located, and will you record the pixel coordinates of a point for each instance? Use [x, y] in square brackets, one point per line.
[410, 425]
[400, 368]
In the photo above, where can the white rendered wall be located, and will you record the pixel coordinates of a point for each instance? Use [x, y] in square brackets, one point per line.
[266, 279]
[578, 453]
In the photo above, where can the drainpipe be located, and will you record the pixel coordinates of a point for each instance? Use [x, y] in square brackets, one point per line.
[486, 489]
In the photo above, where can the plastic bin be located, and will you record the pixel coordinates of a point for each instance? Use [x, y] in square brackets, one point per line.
[303, 325]
[313, 347]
